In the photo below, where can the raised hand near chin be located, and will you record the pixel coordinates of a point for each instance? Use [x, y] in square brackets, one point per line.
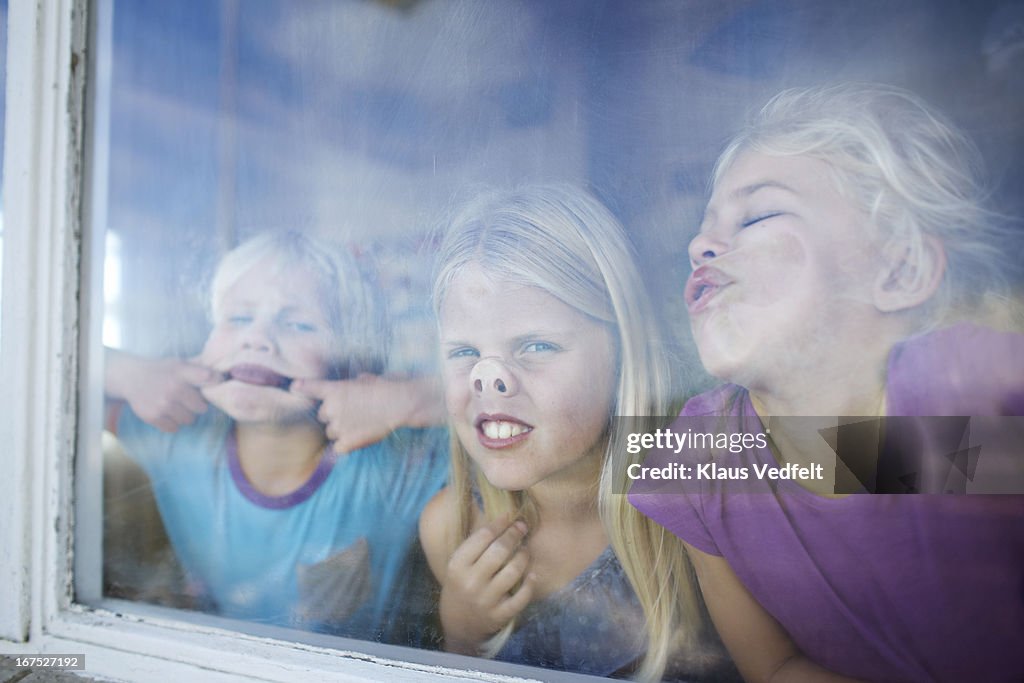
[486, 584]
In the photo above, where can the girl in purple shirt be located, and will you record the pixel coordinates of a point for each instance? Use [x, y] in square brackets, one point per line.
[845, 227]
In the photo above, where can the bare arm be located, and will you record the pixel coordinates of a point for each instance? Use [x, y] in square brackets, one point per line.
[761, 648]
[163, 392]
[364, 410]
[435, 532]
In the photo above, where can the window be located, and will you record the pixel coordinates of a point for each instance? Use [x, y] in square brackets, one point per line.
[151, 138]
[3, 107]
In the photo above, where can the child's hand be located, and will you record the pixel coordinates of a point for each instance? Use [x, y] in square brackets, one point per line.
[479, 595]
[362, 411]
[164, 393]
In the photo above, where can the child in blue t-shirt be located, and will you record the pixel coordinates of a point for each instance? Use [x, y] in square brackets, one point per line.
[272, 511]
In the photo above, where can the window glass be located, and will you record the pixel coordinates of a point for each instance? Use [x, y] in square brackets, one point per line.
[352, 129]
[3, 108]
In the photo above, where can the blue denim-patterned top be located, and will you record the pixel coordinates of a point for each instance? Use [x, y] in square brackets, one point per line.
[593, 625]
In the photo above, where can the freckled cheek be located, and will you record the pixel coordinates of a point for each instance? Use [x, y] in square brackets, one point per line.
[788, 249]
[585, 410]
[456, 389]
[773, 270]
[456, 403]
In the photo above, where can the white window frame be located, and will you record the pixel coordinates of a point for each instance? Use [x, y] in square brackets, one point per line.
[41, 364]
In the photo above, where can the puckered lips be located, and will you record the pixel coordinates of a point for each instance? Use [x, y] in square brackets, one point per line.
[702, 287]
[500, 431]
[260, 376]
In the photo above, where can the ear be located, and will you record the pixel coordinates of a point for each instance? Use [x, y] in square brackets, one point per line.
[907, 280]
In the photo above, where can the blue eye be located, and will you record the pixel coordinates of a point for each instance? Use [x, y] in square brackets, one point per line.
[539, 346]
[463, 352]
[761, 217]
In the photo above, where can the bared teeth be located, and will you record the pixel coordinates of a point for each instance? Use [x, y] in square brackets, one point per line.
[501, 429]
[260, 376]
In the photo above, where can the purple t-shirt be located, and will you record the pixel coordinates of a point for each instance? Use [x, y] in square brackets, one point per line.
[878, 587]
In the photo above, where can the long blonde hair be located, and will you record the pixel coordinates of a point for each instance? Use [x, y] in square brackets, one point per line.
[563, 241]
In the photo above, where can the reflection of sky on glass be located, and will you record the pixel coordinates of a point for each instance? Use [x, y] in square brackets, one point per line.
[363, 120]
[331, 104]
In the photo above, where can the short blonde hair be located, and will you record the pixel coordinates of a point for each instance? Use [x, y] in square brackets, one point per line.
[906, 166]
[349, 298]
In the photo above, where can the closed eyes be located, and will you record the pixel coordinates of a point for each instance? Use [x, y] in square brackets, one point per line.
[746, 223]
[301, 326]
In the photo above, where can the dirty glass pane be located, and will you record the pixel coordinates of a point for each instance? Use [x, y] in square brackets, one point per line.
[3, 108]
[361, 124]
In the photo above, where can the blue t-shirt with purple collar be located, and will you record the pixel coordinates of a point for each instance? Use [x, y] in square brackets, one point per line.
[880, 587]
[332, 556]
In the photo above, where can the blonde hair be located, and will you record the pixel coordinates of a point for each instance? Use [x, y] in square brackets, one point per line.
[564, 241]
[907, 167]
[348, 296]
